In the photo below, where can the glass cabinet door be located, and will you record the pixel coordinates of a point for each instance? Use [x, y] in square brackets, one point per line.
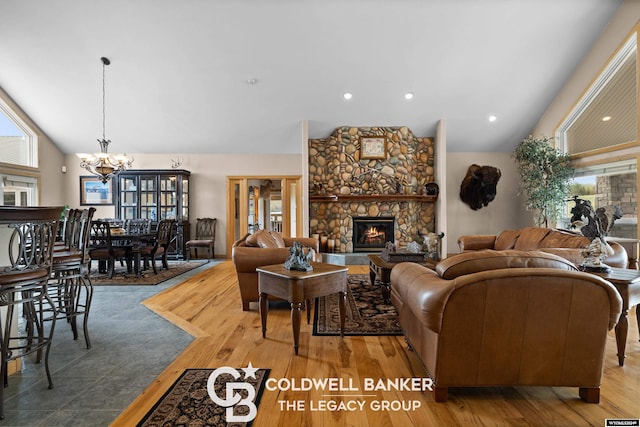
[128, 198]
[168, 197]
[148, 194]
[185, 199]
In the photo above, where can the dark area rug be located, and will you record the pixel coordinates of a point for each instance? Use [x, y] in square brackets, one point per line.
[187, 402]
[367, 314]
[148, 277]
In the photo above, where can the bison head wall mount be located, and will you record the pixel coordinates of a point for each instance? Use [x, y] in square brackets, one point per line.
[479, 186]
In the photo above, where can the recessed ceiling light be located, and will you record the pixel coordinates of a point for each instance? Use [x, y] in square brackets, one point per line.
[347, 95]
[492, 118]
[606, 118]
[408, 95]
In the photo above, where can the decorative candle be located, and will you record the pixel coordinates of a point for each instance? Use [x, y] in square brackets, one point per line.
[331, 245]
[323, 243]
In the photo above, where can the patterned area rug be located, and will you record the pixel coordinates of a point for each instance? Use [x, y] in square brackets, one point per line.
[148, 277]
[367, 314]
[187, 402]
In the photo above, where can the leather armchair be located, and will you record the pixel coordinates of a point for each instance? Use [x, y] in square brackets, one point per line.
[564, 243]
[506, 318]
[260, 249]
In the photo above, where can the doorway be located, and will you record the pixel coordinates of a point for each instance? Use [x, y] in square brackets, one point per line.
[263, 203]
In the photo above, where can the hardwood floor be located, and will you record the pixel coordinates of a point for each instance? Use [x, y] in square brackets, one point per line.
[208, 307]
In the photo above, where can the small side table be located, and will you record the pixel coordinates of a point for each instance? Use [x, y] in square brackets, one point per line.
[627, 282]
[300, 288]
[381, 269]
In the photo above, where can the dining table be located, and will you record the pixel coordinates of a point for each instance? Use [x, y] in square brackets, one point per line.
[134, 242]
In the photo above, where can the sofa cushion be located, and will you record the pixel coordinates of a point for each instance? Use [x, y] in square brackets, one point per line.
[265, 239]
[251, 240]
[564, 239]
[506, 240]
[278, 239]
[473, 262]
[530, 238]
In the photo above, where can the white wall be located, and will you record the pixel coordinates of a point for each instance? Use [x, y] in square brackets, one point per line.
[504, 213]
[50, 159]
[207, 183]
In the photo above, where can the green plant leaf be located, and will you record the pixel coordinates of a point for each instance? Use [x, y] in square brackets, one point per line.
[545, 174]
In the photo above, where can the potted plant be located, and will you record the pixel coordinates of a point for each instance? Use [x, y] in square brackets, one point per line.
[545, 175]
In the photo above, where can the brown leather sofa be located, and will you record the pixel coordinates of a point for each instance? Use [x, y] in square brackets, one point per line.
[506, 318]
[259, 249]
[560, 242]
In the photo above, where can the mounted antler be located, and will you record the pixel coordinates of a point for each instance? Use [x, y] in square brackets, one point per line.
[175, 164]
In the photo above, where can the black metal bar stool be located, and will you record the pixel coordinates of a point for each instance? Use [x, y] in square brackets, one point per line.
[70, 286]
[29, 234]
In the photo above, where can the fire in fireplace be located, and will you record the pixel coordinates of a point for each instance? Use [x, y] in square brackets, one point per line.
[371, 233]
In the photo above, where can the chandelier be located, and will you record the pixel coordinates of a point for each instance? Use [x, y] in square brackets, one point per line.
[102, 164]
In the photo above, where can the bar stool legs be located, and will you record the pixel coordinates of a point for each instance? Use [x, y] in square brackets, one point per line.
[32, 297]
[70, 285]
[72, 292]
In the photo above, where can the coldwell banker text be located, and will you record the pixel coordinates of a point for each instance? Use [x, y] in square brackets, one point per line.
[353, 401]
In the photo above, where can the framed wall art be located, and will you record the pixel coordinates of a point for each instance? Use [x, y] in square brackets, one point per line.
[94, 192]
[373, 147]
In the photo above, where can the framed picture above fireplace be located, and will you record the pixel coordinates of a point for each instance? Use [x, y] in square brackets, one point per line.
[373, 147]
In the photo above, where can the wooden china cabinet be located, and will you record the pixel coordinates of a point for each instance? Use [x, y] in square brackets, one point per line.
[156, 194]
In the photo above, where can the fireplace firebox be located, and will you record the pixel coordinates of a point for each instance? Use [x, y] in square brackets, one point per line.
[371, 233]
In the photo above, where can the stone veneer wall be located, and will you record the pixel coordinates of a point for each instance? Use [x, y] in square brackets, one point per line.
[612, 190]
[618, 190]
[335, 168]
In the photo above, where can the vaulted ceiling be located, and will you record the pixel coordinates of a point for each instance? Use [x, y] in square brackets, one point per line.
[239, 76]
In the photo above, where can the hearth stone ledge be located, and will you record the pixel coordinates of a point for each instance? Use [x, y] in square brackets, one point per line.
[356, 258]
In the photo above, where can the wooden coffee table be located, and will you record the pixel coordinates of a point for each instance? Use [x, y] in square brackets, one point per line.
[627, 282]
[300, 288]
[381, 269]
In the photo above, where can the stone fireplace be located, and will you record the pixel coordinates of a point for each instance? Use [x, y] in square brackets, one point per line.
[345, 185]
[371, 233]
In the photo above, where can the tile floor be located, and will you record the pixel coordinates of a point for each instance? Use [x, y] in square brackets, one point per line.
[130, 346]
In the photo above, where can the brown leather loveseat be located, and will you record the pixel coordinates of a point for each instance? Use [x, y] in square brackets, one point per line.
[259, 249]
[506, 318]
[560, 242]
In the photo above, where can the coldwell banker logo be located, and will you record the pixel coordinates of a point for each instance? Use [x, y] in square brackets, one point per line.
[344, 394]
[338, 394]
[233, 398]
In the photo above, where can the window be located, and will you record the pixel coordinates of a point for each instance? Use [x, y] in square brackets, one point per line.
[601, 135]
[18, 143]
[610, 186]
[607, 115]
[18, 190]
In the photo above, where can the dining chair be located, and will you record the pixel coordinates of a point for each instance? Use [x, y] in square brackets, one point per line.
[70, 285]
[137, 225]
[140, 226]
[30, 237]
[159, 247]
[115, 222]
[205, 238]
[101, 249]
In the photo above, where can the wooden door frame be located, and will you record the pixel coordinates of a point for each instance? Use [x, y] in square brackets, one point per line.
[242, 181]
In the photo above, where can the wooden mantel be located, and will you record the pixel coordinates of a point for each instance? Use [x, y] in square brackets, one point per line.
[372, 197]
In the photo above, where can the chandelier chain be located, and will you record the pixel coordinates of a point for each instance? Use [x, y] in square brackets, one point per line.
[102, 164]
[104, 65]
